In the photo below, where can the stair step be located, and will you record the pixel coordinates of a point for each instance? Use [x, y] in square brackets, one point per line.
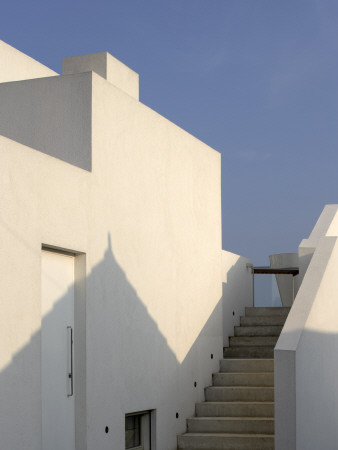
[213, 441]
[248, 352]
[270, 311]
[239, 393]
[274, 330]
[238, 413]
[235, 409]
[253, 341]
[243, 379]
[253, 321]
[247, 365]
[256, 425]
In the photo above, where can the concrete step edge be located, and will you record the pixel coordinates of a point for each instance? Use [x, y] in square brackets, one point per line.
[246, 365]
[250, 352]
[261, 321]
[234, 402]
[233, 418]
[253, 341]
[240, 387]
[228, 435]
[243, 373]
[246, 359]
[267, 311]
[258, 331]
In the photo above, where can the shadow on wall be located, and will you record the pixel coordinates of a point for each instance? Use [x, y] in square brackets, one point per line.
[237, 294]
[129, 368]
[306, 392]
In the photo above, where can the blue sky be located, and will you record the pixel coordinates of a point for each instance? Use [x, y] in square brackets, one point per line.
[256, 80]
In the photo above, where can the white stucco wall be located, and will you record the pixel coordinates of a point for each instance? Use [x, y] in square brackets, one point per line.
[107, 67]
[326, 225]
[147, 221]
[167, 207]
[52, 115]
[237, 291]
[305, 388]
[15, 65]
[287, 284]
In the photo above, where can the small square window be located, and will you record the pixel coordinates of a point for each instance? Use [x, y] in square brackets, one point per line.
[137, 431]
[133, 431]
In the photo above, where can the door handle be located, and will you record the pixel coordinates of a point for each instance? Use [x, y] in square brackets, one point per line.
[70, 362]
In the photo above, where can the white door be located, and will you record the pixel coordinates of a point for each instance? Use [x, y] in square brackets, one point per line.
[57, 327]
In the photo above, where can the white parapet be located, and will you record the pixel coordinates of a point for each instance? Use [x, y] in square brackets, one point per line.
[15, 65]
[237, 291]
[107, 67]
[305, 363]
[144, 223]
[326, 225]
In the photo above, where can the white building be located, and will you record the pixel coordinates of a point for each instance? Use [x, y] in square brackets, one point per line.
[116, 297]
[110, 232]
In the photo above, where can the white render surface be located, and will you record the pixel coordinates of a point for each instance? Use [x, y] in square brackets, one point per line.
[305, 365]
[144, 222]
[327, 225]
[57, 319]
[107, 67]
[237, 291]
[15, 65]
[284, 282]
[52, 115]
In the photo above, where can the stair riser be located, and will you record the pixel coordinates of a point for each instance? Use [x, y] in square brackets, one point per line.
[228, 409]
[246, 365]
[234, 394]
[259, 426]
[248, 352]
[243, 379]
[262, 321]
[258, 331]
[213, 442]
[279, 311]
[255, 341]
[238, 411]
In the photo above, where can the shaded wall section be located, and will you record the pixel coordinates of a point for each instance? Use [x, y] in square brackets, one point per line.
[237, 291]
[52, 115]
[147, 219]
[306, 394]
[15, 65]
[146, 216]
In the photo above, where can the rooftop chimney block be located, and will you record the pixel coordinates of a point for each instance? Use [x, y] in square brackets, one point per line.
[107, 67]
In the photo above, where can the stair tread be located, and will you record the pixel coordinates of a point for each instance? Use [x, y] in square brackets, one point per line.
[244, 373]
[257, 331]
[234, 402]
[247, 359]
[253, 341]
[246, 365]
[251, 346]
[240, 387]
[252, 321]
[238, 411]
[229, 434]
[243, 379]
[241, 347]
[249, 352]
[235, 408]
[233, 418]
[267, 311]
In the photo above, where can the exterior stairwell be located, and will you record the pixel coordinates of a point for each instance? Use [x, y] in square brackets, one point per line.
[238, 412]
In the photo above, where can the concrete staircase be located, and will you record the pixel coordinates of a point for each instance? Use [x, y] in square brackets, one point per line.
[238, 412]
